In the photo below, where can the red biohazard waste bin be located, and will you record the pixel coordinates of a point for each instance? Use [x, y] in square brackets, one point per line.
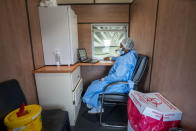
[151, 112]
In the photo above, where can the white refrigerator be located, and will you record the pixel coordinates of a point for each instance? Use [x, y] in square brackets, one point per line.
[59, 34]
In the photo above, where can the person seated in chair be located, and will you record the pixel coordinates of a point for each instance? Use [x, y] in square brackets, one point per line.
[122, 70]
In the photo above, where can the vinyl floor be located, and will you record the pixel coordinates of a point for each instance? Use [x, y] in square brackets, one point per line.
[112, 114]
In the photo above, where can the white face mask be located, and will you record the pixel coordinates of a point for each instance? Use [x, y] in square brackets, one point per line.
[121, 51]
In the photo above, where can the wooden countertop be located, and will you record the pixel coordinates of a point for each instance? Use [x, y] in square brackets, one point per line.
[102, 63]
[66, 69]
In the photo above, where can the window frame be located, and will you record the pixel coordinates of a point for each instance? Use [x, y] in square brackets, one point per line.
[106, 24]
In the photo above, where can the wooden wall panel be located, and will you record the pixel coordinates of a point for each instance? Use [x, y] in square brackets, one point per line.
[113, 1]
[88, 14]
[15, 50]
[85, 38]
[142, 29]
[74, 1]
[36, 33]
[91, 73]
[174, 70]
[101, 13]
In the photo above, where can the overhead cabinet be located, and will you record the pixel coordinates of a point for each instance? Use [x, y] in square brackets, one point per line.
[92, 1]
[59, 33]
[74, 1]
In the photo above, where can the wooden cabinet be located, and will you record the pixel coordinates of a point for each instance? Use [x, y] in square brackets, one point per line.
[60, 91]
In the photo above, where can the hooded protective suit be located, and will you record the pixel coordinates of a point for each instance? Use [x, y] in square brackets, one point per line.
[122, 70]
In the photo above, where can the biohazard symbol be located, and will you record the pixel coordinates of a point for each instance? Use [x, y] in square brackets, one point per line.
[156, 102]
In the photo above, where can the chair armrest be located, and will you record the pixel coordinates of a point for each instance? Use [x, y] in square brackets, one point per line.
[136, 83]
[118, 82]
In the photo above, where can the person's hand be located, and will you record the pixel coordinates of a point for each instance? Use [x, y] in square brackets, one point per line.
[107, 58]
[101, 79]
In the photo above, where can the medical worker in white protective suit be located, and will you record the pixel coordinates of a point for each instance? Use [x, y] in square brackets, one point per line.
[122, 70]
